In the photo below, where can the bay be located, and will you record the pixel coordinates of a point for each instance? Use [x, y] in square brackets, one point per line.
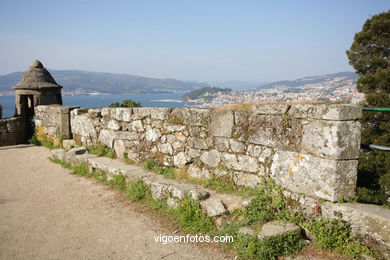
[147, 100]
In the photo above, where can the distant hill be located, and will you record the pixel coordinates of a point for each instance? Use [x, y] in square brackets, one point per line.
[87, 81]
[206, 93]
[237, 85]
[311, 80]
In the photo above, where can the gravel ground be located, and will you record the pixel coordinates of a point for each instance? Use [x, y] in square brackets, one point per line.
[46, 213]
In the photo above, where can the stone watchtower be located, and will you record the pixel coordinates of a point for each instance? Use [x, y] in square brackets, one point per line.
[36, 87]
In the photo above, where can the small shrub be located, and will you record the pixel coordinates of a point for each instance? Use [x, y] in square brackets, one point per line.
[137, 190]
[34, 140]
[336, 234]
[126, 103]
[267, 204]
[191, 218]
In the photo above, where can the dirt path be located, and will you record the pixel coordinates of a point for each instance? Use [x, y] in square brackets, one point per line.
[46, 213]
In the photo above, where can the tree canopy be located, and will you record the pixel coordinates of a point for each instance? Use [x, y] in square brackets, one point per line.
[369, 55]
[126, 103]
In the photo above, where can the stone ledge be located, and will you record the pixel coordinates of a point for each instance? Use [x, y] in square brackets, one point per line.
[213, 203]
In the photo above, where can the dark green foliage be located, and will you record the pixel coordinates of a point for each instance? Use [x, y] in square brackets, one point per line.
[270, 248]
[167, 171]
[126, 103]
[137, 190]
[369, 55]
[336, 234]
[191, 218]
[206, 92]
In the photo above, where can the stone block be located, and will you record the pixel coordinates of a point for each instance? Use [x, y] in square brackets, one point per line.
[236, 147]
[275, 132]
[198, 194]
[180, 159]
[198, 173]
[246, 179]
[222, 122]
[58, 154]
[211, 158]
[276, 228]
[213, 207]
[313, 176]
[326, 111]
[152, 134]
[113, 125]
[107, 137]
[82, 125]
[240, 162]
[68, 144]
[332, 139]
[270, 109]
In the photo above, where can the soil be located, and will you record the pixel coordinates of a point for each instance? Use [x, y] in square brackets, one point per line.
[47, 213]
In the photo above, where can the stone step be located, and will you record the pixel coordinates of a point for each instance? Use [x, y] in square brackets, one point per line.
[171, 191]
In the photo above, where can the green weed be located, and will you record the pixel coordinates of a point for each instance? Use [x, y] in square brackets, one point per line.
[336, 234]
[102, 150]
[118, 181]
[168, 171]
[137, 190]
[191, 218]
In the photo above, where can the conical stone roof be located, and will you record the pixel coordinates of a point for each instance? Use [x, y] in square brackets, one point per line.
[36, 77]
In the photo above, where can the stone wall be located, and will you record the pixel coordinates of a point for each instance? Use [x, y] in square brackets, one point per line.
[308, 149]
[53, 121]
[11, 131]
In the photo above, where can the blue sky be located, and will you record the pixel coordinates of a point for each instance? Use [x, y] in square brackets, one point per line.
[190, 40]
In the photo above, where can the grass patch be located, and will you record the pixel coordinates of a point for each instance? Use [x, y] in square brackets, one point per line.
[81, 170]
[137, 190]
[191, 218]
[118, 181]
[62, 163]
[249, 247]
[167, 171]
[102, 150]
[216, 184]
[335, 234]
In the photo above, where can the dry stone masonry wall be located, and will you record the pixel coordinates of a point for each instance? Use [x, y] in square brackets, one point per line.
[308, 149]
[53, 121]
[11, 131]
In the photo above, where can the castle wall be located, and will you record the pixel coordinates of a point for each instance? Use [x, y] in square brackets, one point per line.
[11, 131]
[308, 149]
[53, 121]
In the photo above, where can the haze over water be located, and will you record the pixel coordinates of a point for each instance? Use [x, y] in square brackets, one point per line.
[147, 100]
